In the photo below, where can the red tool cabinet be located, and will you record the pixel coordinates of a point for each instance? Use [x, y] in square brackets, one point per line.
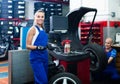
[97, 30]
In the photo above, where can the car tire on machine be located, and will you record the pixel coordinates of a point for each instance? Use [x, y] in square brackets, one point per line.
[64, 78]
[97, 56]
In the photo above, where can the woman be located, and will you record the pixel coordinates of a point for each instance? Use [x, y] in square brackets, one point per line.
[37, 41]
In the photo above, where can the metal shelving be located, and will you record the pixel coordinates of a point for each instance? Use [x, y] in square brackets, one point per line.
[56, 1]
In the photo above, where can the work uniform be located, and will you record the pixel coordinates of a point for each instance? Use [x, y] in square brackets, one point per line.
[111, 67]
[110, 72]
[39, 58]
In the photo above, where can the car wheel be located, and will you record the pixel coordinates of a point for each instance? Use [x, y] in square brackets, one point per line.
[64, 78]
[97, 56]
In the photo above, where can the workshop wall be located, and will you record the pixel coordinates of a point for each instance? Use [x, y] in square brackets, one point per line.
[107, 9]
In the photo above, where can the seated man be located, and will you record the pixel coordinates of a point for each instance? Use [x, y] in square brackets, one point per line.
[110, 72]
[111, 56]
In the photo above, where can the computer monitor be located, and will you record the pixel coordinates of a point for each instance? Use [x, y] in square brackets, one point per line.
[58, 24]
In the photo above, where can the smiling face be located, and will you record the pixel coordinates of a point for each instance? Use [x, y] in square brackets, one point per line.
[108, 43]
[39, 18]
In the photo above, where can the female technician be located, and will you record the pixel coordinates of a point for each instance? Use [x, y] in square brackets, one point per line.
[37, 41]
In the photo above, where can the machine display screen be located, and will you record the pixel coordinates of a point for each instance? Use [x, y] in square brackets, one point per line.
[58, 23]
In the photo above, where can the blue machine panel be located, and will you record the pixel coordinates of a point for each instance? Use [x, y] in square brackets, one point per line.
[23, 35]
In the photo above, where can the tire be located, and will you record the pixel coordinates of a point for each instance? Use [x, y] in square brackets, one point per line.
[64, 78]
[4, 55]
[97, 56]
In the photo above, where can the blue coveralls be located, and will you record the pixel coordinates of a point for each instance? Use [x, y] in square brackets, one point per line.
[110, 72]
[111, 68]
[39, 58]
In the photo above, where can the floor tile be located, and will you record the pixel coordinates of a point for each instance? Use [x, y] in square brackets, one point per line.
[4, 72]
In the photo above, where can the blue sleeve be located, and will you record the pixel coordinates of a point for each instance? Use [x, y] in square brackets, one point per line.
[113, 53]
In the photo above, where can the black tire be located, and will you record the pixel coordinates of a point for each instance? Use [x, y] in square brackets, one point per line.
[97, 56]
[64, 78]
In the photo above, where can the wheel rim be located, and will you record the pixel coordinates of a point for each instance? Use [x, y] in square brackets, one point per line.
[94, 63]
[64, 80]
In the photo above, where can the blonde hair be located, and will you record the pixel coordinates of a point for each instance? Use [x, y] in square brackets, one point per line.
[40, 10]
